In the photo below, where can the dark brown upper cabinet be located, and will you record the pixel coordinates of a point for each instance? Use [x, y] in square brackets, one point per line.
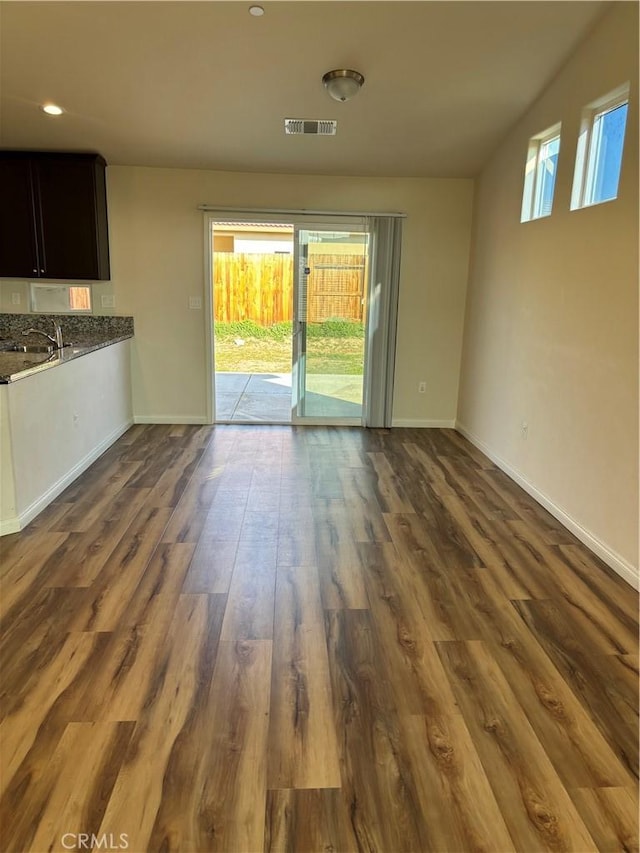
[53, 216]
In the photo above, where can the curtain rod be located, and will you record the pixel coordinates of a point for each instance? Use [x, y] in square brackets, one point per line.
[211, 208]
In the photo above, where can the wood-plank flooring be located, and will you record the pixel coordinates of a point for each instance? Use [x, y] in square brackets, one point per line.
[243, 639]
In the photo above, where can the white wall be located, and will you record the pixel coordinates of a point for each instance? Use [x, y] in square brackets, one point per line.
[551, 333]
[10, 290]
[54, 424]
[157, 262]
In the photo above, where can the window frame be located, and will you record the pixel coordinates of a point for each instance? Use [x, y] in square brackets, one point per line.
[586, 159]
[531, 208]
[42, 305]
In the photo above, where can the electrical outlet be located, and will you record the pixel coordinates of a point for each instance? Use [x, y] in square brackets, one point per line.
[15, 299]
[422, 387]
[524, 430]
[108, 301]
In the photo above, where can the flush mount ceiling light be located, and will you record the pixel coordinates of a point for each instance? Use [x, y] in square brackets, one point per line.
[256, 11]
[342, 83]
[52, 109]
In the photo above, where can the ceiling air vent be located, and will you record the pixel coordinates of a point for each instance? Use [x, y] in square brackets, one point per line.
[310, 127]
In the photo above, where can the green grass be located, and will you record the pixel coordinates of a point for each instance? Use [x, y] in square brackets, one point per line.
[341, 356]
[333, 347]
[245, 329]
[282, 331]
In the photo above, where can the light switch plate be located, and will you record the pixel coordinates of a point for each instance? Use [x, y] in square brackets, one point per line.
[15, 299]
[108, 301]
[195, 303]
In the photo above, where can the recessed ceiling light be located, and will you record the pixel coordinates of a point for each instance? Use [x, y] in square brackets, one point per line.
[52, 109]
[256, 11]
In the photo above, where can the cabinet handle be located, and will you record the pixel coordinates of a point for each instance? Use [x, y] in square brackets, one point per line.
[41, 270]
[35, 270]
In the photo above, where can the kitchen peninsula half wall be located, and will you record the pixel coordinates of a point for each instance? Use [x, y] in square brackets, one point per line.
[59, 414]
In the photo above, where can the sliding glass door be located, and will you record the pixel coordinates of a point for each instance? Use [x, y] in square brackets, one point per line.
[344, 277]
[331, 271]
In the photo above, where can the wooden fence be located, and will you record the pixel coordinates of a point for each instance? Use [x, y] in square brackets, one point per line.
[260, 287]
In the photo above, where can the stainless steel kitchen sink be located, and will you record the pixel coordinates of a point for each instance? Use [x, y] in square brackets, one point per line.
[36, 348]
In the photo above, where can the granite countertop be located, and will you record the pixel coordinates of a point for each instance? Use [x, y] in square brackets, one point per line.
[84, 334]
[18, 365]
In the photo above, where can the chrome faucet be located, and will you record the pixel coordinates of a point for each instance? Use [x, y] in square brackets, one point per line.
[56, 339]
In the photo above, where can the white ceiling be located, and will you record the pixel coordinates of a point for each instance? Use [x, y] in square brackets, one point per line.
[206, 85]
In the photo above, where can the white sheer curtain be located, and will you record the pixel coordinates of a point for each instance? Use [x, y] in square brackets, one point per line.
[386, 243]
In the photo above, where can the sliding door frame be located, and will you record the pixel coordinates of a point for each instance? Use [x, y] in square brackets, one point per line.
[304, 219]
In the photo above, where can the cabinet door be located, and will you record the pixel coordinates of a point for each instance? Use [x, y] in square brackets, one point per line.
[18, 252]
[73, 221]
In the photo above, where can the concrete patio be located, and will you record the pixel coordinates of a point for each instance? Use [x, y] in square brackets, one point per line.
[266, 397]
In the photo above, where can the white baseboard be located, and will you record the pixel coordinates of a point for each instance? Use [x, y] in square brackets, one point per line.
[423, 424]
[170, 419]
[201, 419]
[619, 565]
[19, 522]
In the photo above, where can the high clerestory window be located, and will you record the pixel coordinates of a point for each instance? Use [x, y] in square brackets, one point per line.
[540, 174]
[600, 147]
[61, 298]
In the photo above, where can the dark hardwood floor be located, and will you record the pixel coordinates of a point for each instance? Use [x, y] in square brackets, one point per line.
[312, 639]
